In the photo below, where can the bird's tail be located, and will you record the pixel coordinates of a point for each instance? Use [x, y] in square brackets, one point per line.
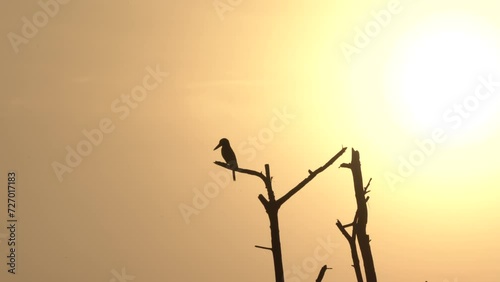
[234, 175]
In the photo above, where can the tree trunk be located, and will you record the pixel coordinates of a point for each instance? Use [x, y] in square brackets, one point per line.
[363, 238]
[276, 244]
[355, 260]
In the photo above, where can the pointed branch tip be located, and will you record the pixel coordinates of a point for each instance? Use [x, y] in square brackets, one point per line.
[368, 185]
[265, 248]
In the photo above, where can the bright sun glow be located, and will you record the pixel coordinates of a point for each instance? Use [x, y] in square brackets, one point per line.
[437, 65]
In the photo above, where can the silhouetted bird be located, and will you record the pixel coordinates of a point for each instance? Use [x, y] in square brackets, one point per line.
[228, 155]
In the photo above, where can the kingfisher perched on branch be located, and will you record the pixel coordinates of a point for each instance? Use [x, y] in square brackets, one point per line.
[228, 155]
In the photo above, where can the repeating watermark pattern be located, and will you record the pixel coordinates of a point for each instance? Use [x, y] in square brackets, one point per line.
[309, 266]
[459, 112]
[453, 116]
[30, 27]
[278, 122]
[248, 148]
[223, 6]
[363, 36]
[121, 106]
[121, 276]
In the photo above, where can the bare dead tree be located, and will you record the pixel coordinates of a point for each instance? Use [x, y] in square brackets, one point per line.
[272, 205]
[359, 223]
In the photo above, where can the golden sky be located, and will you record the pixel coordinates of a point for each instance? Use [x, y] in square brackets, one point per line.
[111, 110]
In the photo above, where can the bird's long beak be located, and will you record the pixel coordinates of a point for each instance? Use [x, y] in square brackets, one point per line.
[217, 146]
